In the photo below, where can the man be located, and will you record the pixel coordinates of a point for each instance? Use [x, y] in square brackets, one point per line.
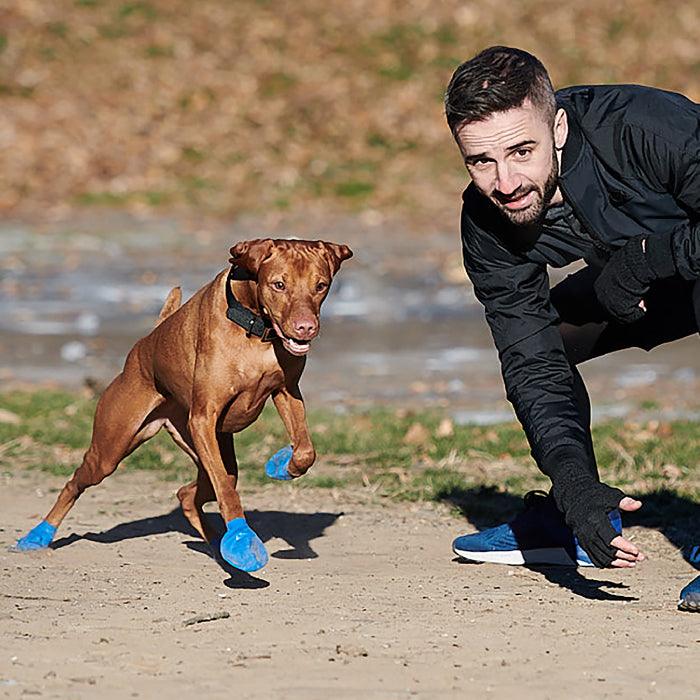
[607, 174]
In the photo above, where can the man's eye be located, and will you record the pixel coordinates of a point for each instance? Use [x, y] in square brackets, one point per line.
[522, 153]
[279, 285]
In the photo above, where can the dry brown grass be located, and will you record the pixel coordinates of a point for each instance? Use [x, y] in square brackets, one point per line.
[223, 106]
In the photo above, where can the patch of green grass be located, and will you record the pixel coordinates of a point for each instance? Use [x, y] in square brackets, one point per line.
[192, 154]
[276, 83]
[159, 51]
[101, 198]
[481, 471]
[377, 140]
[143, 9]
[616, 27]
[398, 71]
[282, 203]
[446, 35]
[110, 199]
[354, 188]
[113, 30]
[14, 90]
[59, 29]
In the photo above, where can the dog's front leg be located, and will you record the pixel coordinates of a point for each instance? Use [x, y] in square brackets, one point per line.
[294, 461]
[239, 546]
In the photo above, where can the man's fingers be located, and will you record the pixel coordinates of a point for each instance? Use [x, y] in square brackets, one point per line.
[621, 543]
[628, 548]
[629, 504]
[625, 556]
[622, 564]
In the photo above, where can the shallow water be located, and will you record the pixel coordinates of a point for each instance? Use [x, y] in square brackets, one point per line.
[401, 325]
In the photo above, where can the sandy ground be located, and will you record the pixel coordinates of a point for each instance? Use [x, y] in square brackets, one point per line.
[361, 599]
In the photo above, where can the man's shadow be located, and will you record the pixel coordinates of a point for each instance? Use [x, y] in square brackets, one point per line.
[296, 529]
[677, 517]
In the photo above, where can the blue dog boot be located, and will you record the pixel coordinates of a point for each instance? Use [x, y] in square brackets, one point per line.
[276, 466]
[39, 537]
[690, 596]
[241, 547]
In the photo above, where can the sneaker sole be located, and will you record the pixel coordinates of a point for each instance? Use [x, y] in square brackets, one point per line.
[548, 557]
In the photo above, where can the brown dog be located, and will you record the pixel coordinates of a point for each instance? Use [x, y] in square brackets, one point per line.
[204, 373]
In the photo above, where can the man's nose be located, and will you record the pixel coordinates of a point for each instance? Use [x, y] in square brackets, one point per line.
[507, 181]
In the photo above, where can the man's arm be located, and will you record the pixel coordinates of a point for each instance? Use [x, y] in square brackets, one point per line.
[536, 372]
[672, 163]
[664, 152]
[540, 384]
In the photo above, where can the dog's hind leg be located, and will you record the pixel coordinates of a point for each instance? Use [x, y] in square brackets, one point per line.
[121, 424]
[194, 495]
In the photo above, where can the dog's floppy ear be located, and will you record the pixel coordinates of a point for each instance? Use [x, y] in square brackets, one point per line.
[335, 254]
[250, 254]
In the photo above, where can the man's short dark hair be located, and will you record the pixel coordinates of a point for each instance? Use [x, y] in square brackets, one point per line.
[495, 80]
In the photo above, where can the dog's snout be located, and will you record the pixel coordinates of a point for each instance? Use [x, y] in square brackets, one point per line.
[305, 328]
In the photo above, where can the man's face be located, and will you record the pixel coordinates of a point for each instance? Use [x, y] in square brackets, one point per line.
[511, 159]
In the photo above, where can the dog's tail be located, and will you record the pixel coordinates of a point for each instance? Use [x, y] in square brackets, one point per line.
[172, 304]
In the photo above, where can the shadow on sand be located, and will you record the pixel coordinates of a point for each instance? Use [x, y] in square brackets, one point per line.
[296, 529]
[676, 516]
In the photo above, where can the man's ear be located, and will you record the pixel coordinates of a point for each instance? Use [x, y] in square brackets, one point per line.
[561, 129]
[251, 254]
[335, 254]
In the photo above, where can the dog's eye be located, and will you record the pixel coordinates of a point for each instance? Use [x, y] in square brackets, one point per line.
[321, 286]
[279, 285]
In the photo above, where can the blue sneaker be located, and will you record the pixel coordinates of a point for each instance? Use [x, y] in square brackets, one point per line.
[692, 555]
[538, 535]
[690, 596]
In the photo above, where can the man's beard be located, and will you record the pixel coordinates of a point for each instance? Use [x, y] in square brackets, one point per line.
[532, 215]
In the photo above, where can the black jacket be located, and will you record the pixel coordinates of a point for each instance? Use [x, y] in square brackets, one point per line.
[630, 166]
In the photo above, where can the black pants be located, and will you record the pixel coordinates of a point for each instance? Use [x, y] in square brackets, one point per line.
[673, 310]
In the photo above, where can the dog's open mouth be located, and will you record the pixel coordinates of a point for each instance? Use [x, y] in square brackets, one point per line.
[292, 345]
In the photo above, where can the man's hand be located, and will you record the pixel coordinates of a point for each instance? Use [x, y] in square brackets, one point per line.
[627, 554]
[624, 281]
[586, 504]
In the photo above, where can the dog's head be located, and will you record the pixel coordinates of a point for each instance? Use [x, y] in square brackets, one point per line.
[293, 280]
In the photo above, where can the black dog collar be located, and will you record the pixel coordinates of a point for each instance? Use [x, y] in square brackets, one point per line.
[251, 323]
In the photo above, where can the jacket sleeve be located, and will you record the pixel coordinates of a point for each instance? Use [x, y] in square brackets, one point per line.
[536, 372]
[670, 161]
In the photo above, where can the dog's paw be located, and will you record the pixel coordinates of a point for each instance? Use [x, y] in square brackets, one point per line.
[276, 467]
[39, 537]
[241, 547]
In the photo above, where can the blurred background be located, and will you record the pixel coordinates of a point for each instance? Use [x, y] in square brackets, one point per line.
[140, 140]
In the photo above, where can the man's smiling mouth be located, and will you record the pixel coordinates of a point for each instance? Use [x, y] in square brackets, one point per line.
[520, 202]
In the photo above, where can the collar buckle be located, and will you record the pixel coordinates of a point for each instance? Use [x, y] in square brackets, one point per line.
[251, 324]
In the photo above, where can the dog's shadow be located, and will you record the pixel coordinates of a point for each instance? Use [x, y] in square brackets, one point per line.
[296, 529]
[676, 516]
